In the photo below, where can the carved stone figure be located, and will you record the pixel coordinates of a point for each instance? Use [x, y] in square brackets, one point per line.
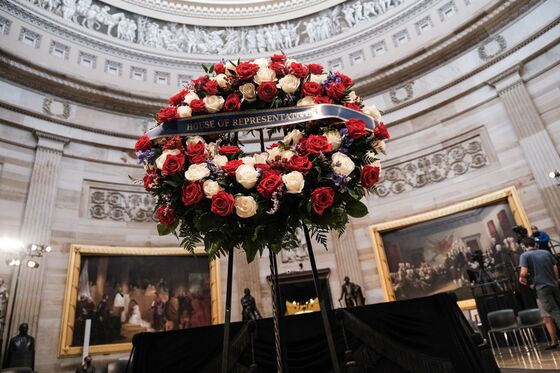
[352, 294]
[250, 311]
[21, 350]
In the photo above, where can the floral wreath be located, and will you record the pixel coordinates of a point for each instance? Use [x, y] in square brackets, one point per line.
[208, 190]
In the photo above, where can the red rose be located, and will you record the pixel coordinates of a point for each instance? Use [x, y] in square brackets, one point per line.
[336, 90]
[219, 68]
[197, 152]
[233, 103]
[322, 198]
[278, 68]
[144, 143]
[211, 87]
[356, 128]
[312, 89]
[178, 98]
[271, 182]
[315, 68]
[262, 166]
[200, 81]
[316, 144]
[381, 132]
[347, 81]
[173, 143]
[165, 215]
[353, 106]
[246, 70]
[228, 149]
[231, 166]
[322, 100]
[150, 181]
[267, 91]
[369, 176]
[197, 106]
[300, 163]
[192, 193]
[299, 69]
[280, 58]
[166, 114]
[173, 164]
[222, 203]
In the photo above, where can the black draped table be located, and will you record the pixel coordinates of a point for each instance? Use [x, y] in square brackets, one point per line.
[424, 335]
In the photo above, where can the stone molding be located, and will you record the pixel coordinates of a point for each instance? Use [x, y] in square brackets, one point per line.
[50, 142]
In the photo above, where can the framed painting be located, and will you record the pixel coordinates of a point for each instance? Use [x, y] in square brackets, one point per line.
[433, 252]
[128, 290]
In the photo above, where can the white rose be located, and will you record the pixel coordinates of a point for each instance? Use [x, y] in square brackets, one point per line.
[373, 112]
[306, 101]
[287, 155]
[379, 146]
[293, 137]
[248, 160]
[260, 158]
[229, 66]
[222, 80]
[220, 160]
[262, 62]
[342, 164]
[161, 159]
[247, 176]
[213, 103]
[334, 138]
[264, 75]
[294, 182]
[211, 187]
[184, 111]
[212, 149]
[197, 172]
[245, 206]
[195, 140]
[319, 79]
[191, 96]
[289, 83]
[273, 153]
[351, 97]
[248, 92]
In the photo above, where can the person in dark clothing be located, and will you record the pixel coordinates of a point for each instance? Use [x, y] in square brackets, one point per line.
[540, 265]
[541, 238]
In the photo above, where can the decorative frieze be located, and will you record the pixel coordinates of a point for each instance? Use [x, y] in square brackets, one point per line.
[5, 25]
[402, 93]
[56, 108]
[447, 163]
[447, 10]
[492, 47]
[59, 50]
[117, 205]
[30, 38]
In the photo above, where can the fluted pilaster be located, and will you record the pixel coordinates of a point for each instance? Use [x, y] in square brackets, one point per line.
[36, 227]
[246, 276]
[534, 139]
[346, 254]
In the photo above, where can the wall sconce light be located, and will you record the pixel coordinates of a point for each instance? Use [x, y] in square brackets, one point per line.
[556, 176]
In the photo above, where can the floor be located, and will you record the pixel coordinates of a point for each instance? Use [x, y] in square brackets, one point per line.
[513, 361]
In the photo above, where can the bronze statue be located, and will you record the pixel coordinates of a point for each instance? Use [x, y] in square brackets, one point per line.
[352, 294]
[250, 311]
[21, 350]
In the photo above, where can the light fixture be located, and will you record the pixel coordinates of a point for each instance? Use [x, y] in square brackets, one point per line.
[48, 249]
[32, 264]
[34, 247]
[556, 176]
[10, 244]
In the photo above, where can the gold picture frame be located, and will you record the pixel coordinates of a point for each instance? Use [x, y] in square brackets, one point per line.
[508, 195]
[77, 252]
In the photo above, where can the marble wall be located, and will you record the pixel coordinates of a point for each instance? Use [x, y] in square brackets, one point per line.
[504, 105]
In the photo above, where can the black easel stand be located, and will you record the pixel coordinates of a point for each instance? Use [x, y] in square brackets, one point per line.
[227, 321]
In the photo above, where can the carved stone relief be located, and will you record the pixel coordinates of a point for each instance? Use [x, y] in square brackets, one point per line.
[402, 93]
[98, 16]
[5, 25]
[119, 205]
[450, 162]
[30, 38]
[447, 10]
[59, 50]
[56, 108]
[492, 47]
[423, 25]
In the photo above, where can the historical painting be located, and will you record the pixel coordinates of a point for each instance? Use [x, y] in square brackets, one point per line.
[448, 249]
[125, 291]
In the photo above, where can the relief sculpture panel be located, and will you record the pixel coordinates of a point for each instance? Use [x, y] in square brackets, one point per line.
[117, 205]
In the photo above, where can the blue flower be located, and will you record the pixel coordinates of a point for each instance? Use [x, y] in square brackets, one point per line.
[144, 156]
[340, 181]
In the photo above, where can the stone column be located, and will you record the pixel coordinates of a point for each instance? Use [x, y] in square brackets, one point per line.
[539, 150]
[346, 254]
[36, 228]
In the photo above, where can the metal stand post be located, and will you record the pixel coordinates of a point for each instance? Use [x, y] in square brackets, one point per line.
[227, 321]
[326, 323]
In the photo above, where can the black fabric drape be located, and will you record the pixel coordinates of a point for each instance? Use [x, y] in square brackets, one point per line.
[418, 336]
